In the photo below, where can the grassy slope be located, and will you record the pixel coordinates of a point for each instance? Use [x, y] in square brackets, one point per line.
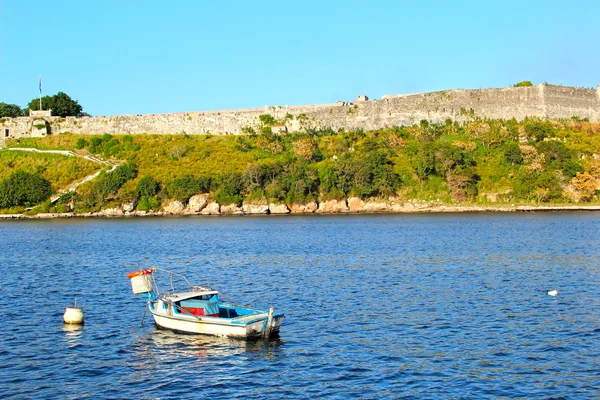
[58, 169]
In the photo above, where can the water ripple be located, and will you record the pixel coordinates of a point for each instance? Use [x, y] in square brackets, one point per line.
[435, 306]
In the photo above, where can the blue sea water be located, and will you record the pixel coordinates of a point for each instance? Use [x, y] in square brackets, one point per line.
[378, 306]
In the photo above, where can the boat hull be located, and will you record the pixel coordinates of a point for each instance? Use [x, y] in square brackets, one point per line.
[247, 327]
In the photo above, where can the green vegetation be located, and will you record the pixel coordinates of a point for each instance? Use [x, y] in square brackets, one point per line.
[483, 161]
[267, 119]
[523, 84]
[104, 189]
[23, 189]
[61, 105]
[10, 110]
[59, 170]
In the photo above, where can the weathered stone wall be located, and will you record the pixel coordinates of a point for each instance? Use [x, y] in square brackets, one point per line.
[545, 101]
[563, 100]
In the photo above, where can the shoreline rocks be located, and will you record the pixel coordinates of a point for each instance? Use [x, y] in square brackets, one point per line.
[212, 208]
[255, 209]
[333, 207]
[200, 205]
[304, 208]
[278, 208]
[174, 208]
[196, 203]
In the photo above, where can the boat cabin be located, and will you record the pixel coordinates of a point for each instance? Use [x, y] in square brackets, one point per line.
[196, 303]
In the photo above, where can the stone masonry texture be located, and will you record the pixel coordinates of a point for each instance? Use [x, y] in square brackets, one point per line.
[544, 101]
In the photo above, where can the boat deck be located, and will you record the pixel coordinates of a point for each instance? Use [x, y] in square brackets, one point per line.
[251, 317]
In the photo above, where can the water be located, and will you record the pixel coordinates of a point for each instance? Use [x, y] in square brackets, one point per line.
[384, 306]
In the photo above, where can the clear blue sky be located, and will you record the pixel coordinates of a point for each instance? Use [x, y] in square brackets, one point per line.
[127, 57]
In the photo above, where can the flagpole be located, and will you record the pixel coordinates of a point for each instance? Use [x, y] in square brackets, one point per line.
[40, 92]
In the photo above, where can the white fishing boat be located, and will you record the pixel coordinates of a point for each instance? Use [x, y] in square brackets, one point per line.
[199, 310]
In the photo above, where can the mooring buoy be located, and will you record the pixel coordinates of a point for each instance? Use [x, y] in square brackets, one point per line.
[73, 315]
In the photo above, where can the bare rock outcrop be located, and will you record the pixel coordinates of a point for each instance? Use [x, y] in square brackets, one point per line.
[111, 212]
[299, 208]
[196, 203]
[255, 208]
[129, 206]
[211, 208]
[231, 209]
[174, 208]
[333, 207]
[357, 205]
[278, 208]
[376, 206]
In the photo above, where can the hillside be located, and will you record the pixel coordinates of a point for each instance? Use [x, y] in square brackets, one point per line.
[480, 162]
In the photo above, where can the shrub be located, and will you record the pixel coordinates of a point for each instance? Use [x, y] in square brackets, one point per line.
[178, 151]
[267, 119]
[229, 186]
[147, 186]
[540, 130]
[572, 167]
[111, 147]
[537, 186]
[148, 203]
[126, 171]
[512, 154]
[23, 189]
[81, 143]
[248, 130]
[108, 184]
[305, 148]
[366, 174]
[523, 84]
[184, 187]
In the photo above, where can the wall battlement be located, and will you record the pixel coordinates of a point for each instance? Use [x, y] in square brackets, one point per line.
[544, 101]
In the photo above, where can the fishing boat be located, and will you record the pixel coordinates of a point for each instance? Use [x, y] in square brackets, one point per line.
[201, 309]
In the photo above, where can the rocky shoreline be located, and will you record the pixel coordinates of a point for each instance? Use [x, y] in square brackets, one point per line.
[202, 205]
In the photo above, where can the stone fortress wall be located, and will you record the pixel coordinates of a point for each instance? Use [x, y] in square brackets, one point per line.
[544, 101]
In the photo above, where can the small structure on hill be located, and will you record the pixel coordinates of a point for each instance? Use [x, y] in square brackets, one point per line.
[40, 126]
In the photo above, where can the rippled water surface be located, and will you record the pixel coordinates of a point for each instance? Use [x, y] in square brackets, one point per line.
[376, 306]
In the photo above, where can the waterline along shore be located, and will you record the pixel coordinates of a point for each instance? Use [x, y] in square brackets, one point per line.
[408, 208]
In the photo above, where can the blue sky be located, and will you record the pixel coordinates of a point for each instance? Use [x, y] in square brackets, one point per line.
[128, 57]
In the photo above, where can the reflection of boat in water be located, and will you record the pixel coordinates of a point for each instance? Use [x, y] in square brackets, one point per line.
[198, 310]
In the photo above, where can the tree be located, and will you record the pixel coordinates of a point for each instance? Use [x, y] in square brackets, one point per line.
[512, 154]
[23, 189]
[586, 184]
[10, 110]
[229, 186]
[61, 105]
[539, 130]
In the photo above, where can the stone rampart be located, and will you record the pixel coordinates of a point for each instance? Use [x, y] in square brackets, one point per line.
[544, 101]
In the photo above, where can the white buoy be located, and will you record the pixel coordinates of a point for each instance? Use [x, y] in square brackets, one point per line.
[73, 315]
[553, 292]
